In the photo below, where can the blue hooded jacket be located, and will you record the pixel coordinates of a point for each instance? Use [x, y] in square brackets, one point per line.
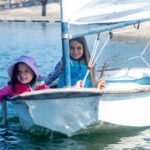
[78, 72]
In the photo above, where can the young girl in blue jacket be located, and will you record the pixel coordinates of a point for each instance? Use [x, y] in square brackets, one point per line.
[79, 59]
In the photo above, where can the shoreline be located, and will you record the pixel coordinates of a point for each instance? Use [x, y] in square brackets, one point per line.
[32, 14]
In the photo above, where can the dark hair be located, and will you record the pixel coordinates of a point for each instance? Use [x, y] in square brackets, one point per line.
[14, 79]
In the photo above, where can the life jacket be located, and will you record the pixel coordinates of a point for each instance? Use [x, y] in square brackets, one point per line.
[22, 88]
[38, 85]
[78, 71]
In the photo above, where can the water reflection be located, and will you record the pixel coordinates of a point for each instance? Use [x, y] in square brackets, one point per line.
[43, 26]
[140, 140]
[96, 141]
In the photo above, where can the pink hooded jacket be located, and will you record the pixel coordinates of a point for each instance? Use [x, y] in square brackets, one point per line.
[20, 88]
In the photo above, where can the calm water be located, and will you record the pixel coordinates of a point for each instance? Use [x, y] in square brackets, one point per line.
[42, 41]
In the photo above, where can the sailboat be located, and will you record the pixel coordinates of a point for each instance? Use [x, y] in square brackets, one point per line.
[125, 100]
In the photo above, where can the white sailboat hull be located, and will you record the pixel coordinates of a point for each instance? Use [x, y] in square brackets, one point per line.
[70, 110]
[125, 109]
[65, 115]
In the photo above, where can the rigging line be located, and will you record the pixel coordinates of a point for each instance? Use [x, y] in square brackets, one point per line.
[131, 58]
[142, 54]
[101, 50]
[88, 71]
[145, 62]
[145, 48]
[96, 43]
[84, 80]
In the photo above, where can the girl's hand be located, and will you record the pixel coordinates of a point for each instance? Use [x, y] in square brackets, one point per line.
[101, 83]
[79, 84]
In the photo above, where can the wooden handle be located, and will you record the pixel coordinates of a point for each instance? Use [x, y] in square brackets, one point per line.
[101, 75]
[104, 69]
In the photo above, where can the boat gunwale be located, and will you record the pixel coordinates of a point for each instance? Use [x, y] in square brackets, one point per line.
[78, 92]
[116, 69]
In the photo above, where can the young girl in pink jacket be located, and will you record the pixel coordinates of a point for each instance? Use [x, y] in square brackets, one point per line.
[24, 78]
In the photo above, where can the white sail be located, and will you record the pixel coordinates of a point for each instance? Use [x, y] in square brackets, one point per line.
[104, 11]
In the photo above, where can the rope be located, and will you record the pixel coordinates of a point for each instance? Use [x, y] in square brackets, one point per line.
[145, 62]
[101, 50]
[92, 61]
[145, 48]
[142, 54]
[96, 43]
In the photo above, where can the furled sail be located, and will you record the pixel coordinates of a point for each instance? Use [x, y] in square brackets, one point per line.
[104, 11]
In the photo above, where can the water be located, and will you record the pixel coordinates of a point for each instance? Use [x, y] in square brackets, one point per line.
[42, 41]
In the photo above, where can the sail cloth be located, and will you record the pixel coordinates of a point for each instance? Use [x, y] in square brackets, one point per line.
[104, 11]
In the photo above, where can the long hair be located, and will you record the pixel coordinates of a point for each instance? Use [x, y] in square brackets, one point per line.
[14, 79]
[86, 56]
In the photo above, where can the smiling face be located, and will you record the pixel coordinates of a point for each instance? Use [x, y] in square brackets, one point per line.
[76, 49]
[25, 74]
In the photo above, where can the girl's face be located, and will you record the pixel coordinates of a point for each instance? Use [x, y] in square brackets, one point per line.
[76, 49]
[25, 73]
